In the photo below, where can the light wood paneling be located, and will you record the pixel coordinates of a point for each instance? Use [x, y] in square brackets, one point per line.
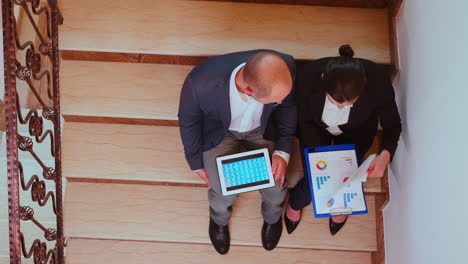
[180, 214]
[194, 28]
[138, 154]
[110, 89]
[86, 251]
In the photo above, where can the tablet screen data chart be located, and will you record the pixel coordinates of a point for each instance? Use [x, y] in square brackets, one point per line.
[245, 171]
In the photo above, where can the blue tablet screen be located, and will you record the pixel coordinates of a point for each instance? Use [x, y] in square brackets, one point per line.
[245, 171]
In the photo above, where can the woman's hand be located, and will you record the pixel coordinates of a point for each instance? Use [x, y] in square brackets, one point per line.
[379, 165]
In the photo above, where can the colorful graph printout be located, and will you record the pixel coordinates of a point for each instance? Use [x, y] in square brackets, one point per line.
[336, 188]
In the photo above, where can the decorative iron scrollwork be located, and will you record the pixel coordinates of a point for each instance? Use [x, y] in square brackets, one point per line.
[40, 253]
[45, 49]
[50, 234]
[19, 2]
[36, 125]
[33, 61]
[49, 173]
[26, 213]
[38, 70]
[48, 113]
[25, 143]
[23, 73]
[38, 191]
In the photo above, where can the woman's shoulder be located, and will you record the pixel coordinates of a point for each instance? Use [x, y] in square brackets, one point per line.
[312, 71]
[315, 66]
[379, 83]
[374, 69]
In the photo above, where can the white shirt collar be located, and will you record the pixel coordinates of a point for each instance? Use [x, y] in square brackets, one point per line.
[233, 86]
[330, 105]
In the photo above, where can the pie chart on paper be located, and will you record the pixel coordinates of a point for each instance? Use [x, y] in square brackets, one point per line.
[321, 165]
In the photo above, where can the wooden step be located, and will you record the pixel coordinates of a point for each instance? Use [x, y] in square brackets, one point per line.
[199, 28]
[87, 251]
[139, 154]
[180, 214]
[339, 3]
[123, 90]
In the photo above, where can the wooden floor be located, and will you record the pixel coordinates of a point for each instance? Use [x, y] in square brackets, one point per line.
[88, 251]
[140, 154]
[201, 28]
[180, 214]
[130, 90]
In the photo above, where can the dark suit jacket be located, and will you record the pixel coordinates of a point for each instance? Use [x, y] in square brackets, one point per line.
[205, 112]
[377, 102]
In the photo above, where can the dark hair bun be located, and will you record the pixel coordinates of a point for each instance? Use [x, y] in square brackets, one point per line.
[346, 51]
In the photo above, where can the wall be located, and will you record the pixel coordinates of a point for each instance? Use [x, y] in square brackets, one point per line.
[425, 221]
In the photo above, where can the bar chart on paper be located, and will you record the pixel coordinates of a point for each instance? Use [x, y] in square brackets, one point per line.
[335, 189]
[321, 180]
[347, 197]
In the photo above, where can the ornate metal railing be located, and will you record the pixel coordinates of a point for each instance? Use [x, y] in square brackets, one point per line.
[32, 98]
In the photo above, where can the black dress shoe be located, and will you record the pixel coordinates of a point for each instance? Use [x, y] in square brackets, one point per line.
[290, 224]
[271, 234]
[335, 227]
[219, 236]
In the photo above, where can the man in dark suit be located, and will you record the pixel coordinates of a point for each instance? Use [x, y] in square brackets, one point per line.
[242, 99]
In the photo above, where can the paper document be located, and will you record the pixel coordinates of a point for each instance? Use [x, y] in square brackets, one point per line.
[336, 181]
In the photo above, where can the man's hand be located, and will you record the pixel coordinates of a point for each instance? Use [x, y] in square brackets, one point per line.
[204, 176]
[379, 164]
[279, 169]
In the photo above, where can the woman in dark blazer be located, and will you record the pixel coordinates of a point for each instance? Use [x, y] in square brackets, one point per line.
[341, 101]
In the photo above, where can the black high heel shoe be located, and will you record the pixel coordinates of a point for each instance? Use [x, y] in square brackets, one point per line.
[290, 224]
[335, 227]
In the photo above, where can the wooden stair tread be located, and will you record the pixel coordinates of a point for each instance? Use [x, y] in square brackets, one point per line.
[180, 214]
[125, 90]
[86, 251]
[200, 28]
[141, 154]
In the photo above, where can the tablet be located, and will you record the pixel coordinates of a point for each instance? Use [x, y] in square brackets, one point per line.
[244, 172]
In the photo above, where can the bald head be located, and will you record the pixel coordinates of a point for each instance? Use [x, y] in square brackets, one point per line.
[268, 75]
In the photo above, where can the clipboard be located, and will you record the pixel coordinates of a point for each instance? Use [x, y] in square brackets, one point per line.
[337, 184]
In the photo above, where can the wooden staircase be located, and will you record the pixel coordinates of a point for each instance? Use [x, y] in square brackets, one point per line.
[131, 197]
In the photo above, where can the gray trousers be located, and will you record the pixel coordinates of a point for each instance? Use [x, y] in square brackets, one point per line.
[221, 206]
